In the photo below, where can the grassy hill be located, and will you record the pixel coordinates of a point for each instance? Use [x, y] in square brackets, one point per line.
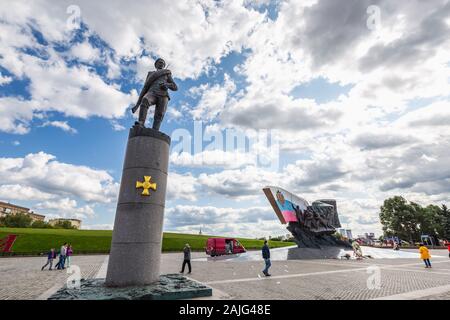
[36, 241]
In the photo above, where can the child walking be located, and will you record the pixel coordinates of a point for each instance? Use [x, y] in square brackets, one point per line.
[50, 256]
[425, 255]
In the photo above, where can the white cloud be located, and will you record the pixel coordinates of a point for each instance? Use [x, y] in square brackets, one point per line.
[295, 48]
[249, 222]
[15, 115]
[22, 192]
[63, 125]
[273, 111]
[181, 186]
[85, 52]
[65, 208]
[212, 99]
[117, 126]
[72, 90]
[182, 215]
[213, 158]
[239, 184]
[207, 30]
[4, 79]
[370, 140]
[434, 115]
[42, 172]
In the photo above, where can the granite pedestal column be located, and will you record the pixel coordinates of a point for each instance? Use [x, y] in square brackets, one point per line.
[137, 236]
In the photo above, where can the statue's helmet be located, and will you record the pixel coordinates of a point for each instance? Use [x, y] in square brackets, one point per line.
[159, 60]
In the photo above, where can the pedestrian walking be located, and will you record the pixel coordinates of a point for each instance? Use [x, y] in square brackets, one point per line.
[396, 246]
[266, 257]
[425, 255]
[62, 257]
[187, 258]
[50, 256]
[69, 253]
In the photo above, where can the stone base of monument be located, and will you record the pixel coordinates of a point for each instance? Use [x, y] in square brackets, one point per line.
[169, 287]
[325, 252]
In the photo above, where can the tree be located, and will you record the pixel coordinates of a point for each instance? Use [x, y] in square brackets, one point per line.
[445, 212]
[410, 220]
[18, 220]
[64, 225]
[433, 221]
[400, 218]
[41, 225]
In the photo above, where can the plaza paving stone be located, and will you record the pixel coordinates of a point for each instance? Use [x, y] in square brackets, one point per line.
[21, 278]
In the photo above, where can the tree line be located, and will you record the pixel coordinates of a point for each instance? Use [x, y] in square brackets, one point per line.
[409, 220]
[21, 220]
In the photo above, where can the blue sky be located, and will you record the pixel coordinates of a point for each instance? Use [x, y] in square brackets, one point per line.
[354, 121]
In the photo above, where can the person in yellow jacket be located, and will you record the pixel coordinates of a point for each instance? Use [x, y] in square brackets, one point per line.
[425, 255]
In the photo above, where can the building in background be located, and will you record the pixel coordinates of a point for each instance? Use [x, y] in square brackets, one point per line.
[349, 233]
[76, 223]
[346, 233]
[36, 217]
[8, 208]
[368, 238]
[12, 209]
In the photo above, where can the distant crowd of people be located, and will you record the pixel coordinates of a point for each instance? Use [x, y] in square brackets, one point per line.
[65, 255]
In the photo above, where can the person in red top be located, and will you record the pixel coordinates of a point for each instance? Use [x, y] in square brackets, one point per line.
[448, 247]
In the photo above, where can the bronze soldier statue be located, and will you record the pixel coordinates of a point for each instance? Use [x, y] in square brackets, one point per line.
[155, 92]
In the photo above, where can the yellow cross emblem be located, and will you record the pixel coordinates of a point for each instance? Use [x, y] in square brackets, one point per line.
[146, 185]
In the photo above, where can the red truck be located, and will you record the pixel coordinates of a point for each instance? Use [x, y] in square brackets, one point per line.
[221, 246]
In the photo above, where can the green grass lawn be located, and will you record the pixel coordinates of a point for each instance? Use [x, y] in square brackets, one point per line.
[36, 241]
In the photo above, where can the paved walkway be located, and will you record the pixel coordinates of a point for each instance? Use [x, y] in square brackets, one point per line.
[21, 278]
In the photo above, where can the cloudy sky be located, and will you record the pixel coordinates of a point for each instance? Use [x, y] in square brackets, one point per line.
[356, 91]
